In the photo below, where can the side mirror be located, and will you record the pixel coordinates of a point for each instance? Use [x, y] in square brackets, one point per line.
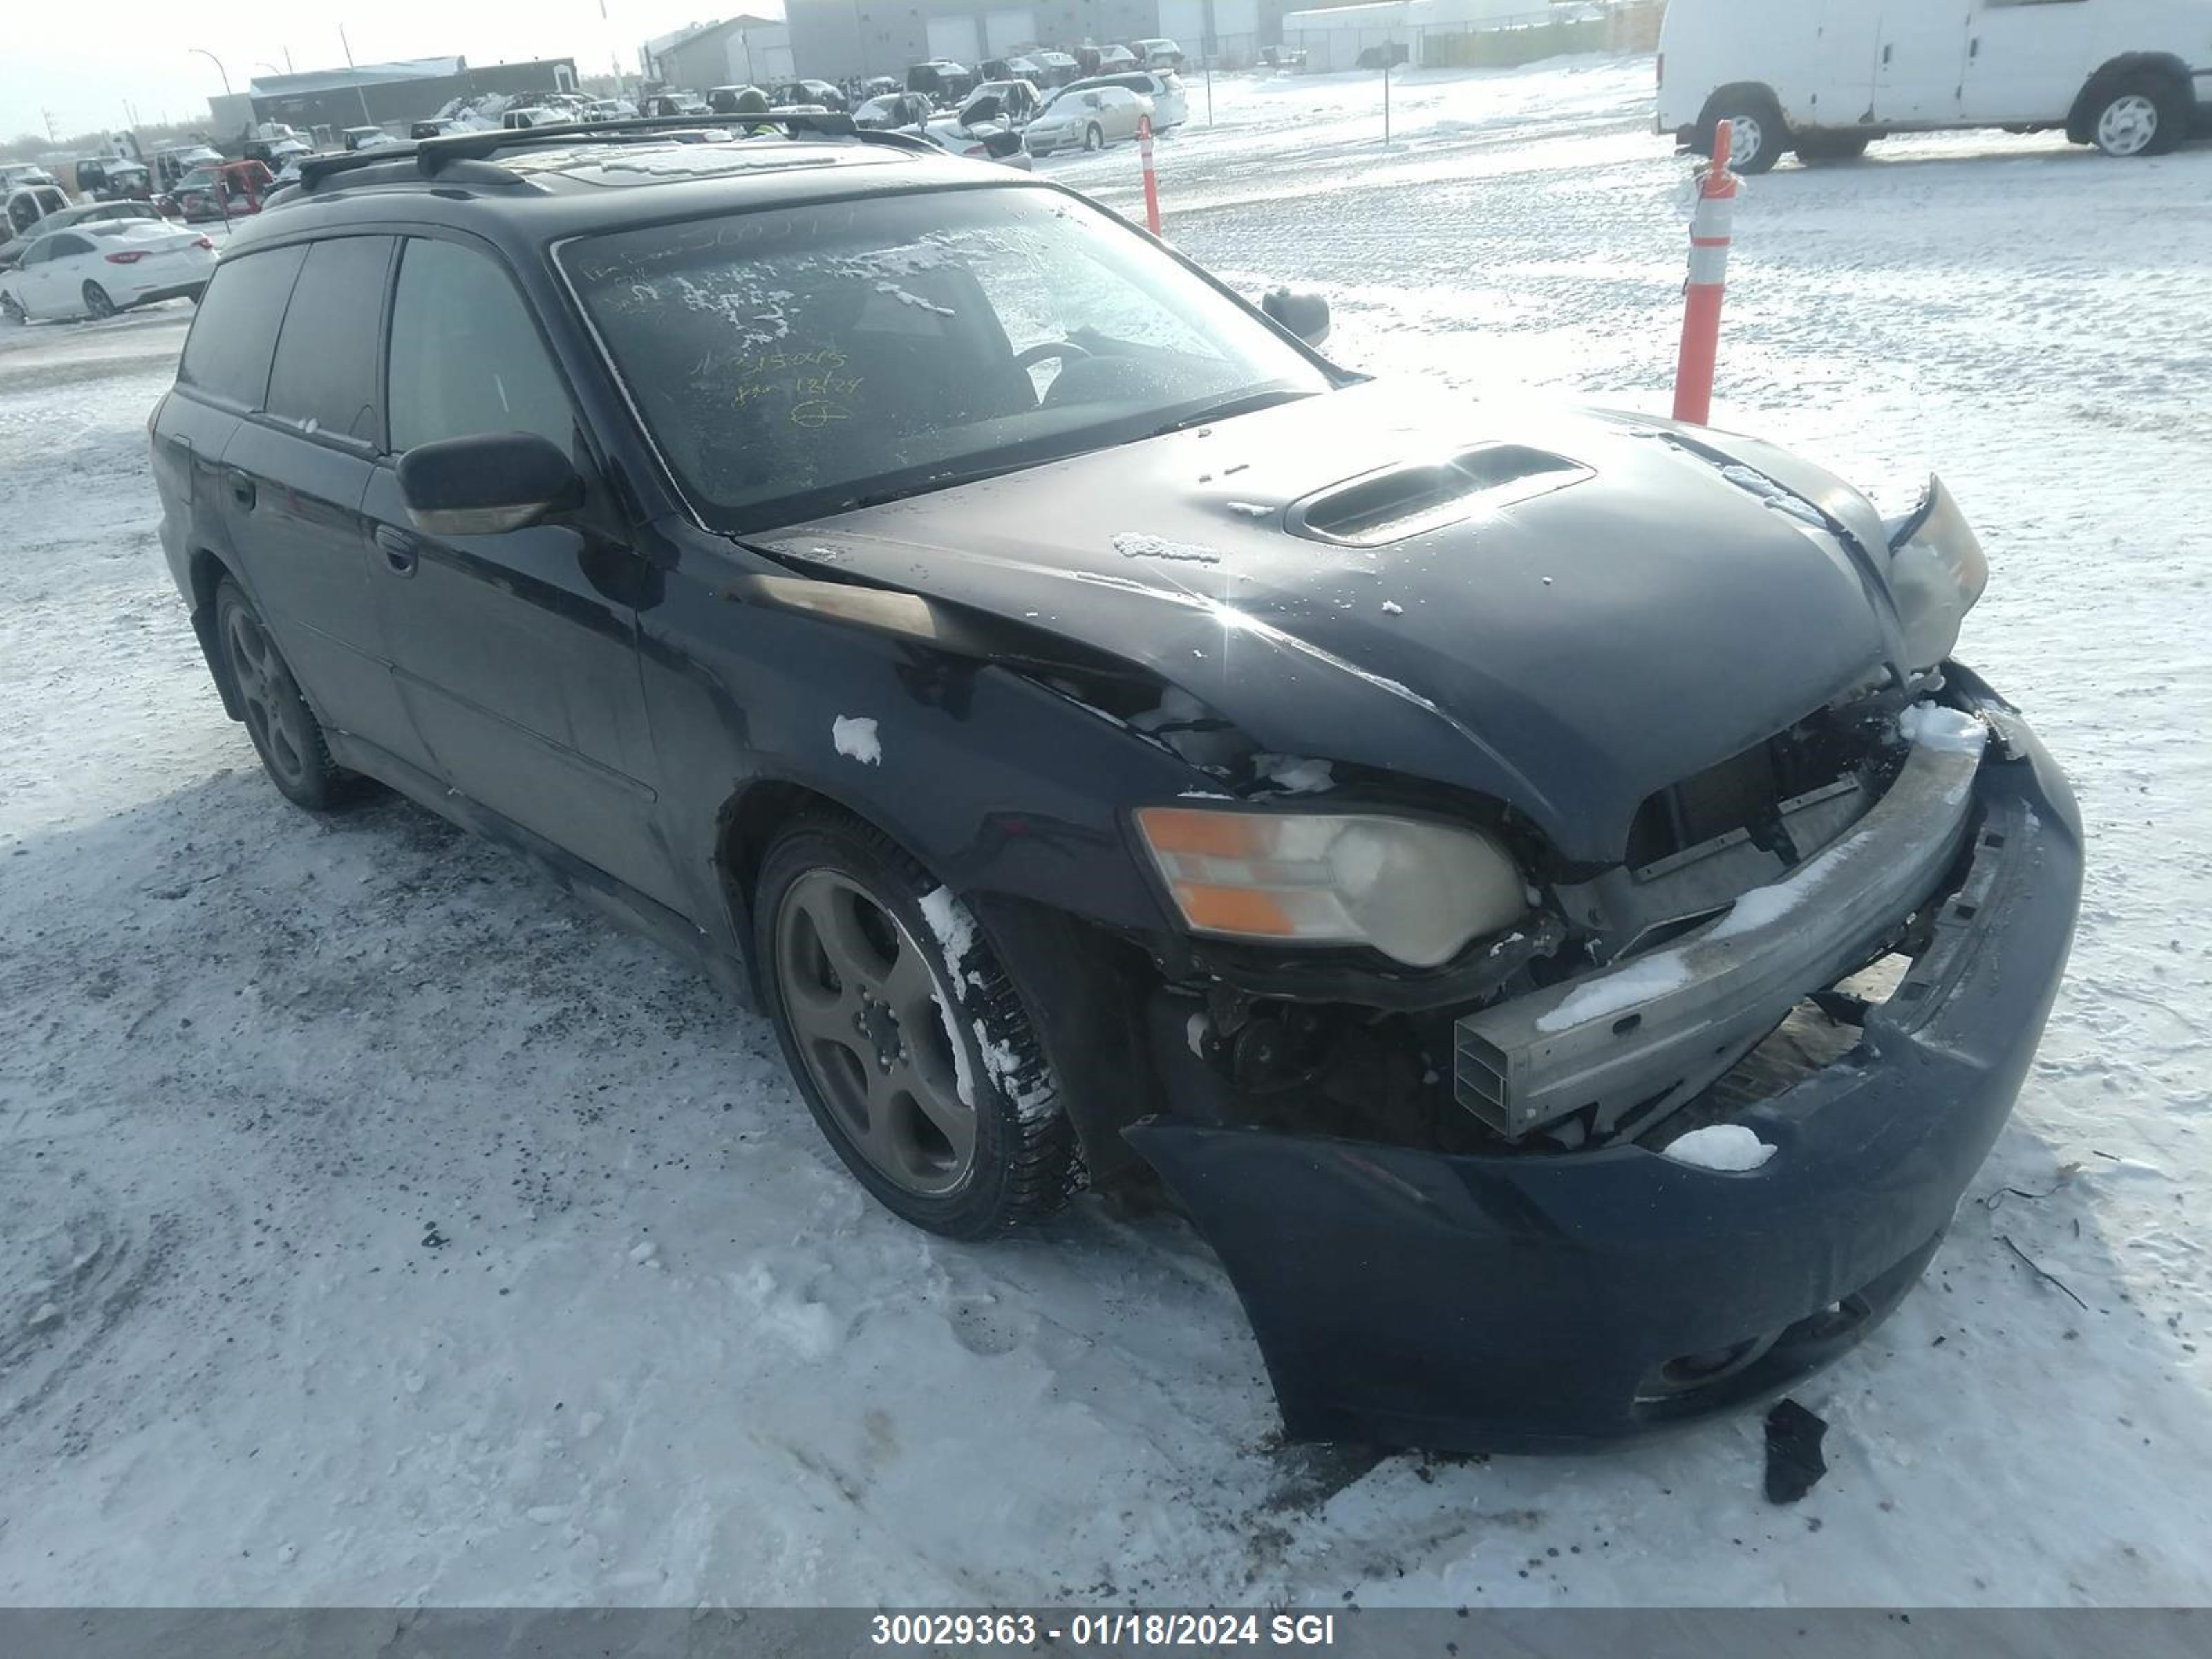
[482, 485]
[1305, 315]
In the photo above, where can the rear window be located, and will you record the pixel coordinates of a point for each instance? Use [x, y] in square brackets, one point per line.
[324, 376]
[234, 330]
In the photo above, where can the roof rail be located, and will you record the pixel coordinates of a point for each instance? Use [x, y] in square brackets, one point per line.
[432, 156]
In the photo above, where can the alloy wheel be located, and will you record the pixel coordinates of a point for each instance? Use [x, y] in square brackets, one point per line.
[264, 687]
[96, 300]
[2128, 126]
[871, 1020]
[1746, 138]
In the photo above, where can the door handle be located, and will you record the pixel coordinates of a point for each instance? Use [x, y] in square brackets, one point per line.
[242, 490]
[401, 550]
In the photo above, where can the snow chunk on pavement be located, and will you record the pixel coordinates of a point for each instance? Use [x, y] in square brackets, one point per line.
[1136, 544]
[1728, 1146]
[1639, 982]
[856, 736]
[1931, 726]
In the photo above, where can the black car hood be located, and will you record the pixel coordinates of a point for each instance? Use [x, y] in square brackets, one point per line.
[1660, 599]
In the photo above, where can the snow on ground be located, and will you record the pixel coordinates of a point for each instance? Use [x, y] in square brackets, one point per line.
[376, 1225]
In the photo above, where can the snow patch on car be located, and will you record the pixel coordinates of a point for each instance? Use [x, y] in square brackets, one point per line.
[1137, 545]
[1031, 1099]
[1756, 482]
[1294, 775]
[855, 736]
[1946, 731]
[954, 924]
[1729, 1147]
[1639, 982]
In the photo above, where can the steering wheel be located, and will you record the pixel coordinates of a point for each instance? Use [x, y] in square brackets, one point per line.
[1066, 350]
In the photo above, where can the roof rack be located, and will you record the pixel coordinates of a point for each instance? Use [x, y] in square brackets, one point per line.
[432, 156]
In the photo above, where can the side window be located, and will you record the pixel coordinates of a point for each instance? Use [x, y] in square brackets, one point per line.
[324, 376]
[465, 357]
[62, 247]
[234, 329]
[38, 253]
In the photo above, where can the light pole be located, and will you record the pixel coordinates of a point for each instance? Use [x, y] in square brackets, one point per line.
[217, 62]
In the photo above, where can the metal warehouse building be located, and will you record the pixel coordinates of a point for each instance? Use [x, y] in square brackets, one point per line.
[392, 94]
[833, 39]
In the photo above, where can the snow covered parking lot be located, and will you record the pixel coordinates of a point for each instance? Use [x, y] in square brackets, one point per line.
[378, 1227]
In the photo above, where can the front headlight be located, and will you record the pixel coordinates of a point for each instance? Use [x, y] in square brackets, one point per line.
[1418, 892]
[1937, 572]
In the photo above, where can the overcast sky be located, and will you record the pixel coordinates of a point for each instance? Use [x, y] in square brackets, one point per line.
[83, 61]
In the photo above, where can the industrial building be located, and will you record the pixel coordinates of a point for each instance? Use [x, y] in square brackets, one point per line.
[393, 95]
[741, 50]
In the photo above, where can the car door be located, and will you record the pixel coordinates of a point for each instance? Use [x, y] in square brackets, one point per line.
[293, 476]
[2026, 59]
[1834, 72]
[28, 282]
[1922, 58]
[517, 653]
[63, 273]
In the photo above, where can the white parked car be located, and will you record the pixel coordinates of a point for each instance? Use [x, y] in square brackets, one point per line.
[537, 115]
[2134, 77]
[1163, 88]
[1087, 119]
[98, 269]
[985, 143]
[1159, 53]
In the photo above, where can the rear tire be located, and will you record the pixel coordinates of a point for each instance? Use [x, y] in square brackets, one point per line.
[1093, 137]
[97, 305]
[2139, 114]
[1760, 135]
[286, 733]
[12, 309]
[869, 1010]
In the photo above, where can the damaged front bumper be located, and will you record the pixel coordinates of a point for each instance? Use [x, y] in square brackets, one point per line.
[1546, 1300]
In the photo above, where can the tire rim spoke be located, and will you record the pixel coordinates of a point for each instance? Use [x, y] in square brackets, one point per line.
[861, 997]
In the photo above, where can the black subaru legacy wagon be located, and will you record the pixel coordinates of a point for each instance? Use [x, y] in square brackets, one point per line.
[1534, 887]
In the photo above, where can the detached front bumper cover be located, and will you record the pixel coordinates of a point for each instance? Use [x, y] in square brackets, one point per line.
[1543, 1301]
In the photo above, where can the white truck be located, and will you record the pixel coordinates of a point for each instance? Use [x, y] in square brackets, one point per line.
[1826, 77]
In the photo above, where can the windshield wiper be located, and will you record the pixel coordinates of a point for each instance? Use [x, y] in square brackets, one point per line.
[1230, 407]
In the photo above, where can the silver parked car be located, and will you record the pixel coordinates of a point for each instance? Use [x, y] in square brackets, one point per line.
[1087, 119]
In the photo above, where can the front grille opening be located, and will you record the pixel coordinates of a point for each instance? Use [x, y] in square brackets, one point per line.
[1747, 792]
[1819, 1032]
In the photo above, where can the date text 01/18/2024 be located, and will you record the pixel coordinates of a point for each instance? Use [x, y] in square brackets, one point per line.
[1119, 1629]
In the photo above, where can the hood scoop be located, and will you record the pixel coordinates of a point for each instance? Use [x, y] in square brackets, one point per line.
[1405, 500]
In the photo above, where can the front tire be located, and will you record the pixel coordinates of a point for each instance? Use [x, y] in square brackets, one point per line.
[286, 733]
[12, 309]
[926, 1075]
[2139, 115]
[97, 305]
[1758, 134]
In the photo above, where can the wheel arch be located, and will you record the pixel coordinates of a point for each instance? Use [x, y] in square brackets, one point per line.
[1076, 979]
[206, 570]
[2114, 70]
[1736, 92]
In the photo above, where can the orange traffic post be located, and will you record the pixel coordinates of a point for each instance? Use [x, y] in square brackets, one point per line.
[1151, 182]
[1701, 306]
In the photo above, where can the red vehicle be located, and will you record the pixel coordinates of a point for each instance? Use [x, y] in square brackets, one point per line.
[227, 191]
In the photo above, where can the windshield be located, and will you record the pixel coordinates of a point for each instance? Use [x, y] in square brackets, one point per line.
[800, 361]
